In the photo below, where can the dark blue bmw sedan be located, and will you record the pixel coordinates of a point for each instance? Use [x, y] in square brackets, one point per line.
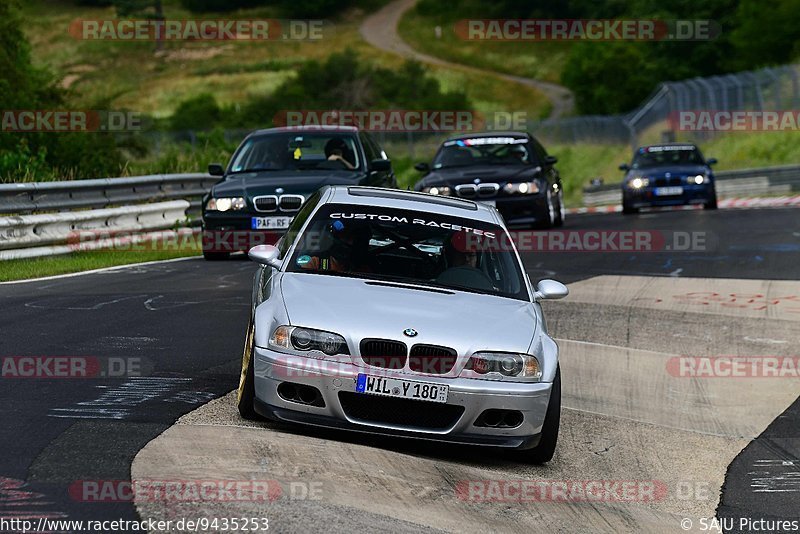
[668, 175]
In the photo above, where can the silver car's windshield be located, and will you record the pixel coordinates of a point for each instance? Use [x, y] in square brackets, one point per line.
[409, 246]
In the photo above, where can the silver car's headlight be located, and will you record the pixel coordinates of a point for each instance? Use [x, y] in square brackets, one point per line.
[437, 190]
[226, 204]
[308, 340]
[523, 188]
[500, 365]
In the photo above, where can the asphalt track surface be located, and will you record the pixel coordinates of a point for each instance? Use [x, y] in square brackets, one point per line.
[731, 444]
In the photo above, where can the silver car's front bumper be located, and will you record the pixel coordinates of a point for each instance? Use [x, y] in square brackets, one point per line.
[474, 396]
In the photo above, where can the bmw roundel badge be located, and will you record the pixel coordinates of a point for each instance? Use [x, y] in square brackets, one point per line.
[410, 332]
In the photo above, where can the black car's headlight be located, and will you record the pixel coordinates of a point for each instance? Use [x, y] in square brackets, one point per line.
[437, 190]
[226, 204]
[522, 188]
[308, 339]
[500, 365]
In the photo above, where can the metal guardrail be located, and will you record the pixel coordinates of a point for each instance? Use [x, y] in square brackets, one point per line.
[30, 236]
[735, 183]
[100, 193]
[47, 218]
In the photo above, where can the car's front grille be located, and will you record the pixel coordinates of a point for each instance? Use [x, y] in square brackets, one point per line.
[266, 203]
[432, 359]
[384, 353]
[480, 190]
[399, 412]
[291, 202]
[674, 180]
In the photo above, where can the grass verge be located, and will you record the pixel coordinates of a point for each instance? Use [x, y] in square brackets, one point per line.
[82, 261]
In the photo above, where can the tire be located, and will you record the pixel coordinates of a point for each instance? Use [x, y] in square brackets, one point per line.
[711, 204]
[561, 212]
[627, 210]
[546, 448]
[246, 395]
[550, 221]
[216, 256]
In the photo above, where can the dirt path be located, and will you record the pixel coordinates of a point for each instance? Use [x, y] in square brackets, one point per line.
[380, 30]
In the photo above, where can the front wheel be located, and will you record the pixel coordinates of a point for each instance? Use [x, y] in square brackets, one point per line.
[628, 210]
[247, 390]
[546, 448]
[561, 212]
[550, 220]
[712, 203]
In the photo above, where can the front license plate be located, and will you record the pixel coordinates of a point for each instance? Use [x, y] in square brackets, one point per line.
[406, 389]
[270, 223]
[668, 191]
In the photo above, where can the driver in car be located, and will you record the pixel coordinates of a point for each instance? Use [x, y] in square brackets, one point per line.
[335, 150]
[348, 253]
[462, 265]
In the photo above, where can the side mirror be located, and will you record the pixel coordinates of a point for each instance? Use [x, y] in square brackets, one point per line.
[422, 167]
[624, 167]
[380, 165]
[215, 169]
[550, 289]
[265, 255]
[711, 161]
[550, 160]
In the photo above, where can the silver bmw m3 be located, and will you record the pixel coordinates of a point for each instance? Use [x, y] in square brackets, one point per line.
[404, 314]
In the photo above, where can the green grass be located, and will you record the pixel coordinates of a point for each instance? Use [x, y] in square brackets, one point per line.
[131, 75]
[539, 60]
[82, 261]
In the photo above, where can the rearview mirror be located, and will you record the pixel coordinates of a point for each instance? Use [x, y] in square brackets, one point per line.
[266, 255]
[422, 167]
[624, 167]
[711, 161]
[215, 169]
[380, 165]
[550, 160]
[550, 290]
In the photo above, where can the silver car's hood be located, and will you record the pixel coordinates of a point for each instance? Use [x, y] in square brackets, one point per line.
[359, 309]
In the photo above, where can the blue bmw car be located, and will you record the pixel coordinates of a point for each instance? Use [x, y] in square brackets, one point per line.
[668, 175]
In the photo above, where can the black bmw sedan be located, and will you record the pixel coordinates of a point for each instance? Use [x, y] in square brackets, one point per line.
[273, 173]
[509, 170]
